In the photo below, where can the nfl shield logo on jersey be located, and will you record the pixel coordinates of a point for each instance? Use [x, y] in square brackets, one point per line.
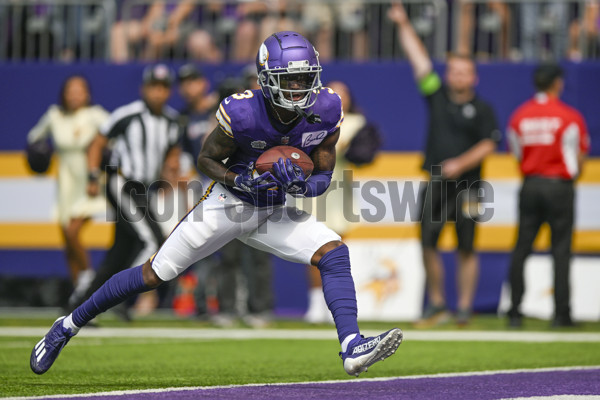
[222, 197]
[285, 140]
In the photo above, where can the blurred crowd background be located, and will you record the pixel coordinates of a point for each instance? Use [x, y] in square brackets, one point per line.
[215, 31]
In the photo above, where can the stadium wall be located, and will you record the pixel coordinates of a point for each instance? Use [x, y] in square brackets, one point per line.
[29, 238]
[385, 91]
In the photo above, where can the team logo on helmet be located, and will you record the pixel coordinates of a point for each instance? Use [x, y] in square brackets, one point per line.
[263, 55]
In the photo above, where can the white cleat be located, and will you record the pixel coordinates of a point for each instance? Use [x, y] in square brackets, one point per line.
[364, 352]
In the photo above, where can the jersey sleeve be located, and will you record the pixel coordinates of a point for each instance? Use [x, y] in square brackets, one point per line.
[340, 118]
[237, 114]
[223, 117]
[488, 124]
[330, 110]
[116, 123]
[99, 116]
[584, 135]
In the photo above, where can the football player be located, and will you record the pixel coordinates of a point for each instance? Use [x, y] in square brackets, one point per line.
[291, 107]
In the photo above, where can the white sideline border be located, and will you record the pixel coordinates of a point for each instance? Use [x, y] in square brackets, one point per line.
[311, 334]
[350, 381]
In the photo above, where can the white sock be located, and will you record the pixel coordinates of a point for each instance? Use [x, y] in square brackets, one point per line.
[347, 341]
[68, 324]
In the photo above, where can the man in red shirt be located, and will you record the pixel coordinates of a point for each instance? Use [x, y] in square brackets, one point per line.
[550, 140]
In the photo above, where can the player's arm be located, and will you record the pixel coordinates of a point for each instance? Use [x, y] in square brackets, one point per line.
[411, 44]
[94, 158]
[217, 147]
[455, 167]
[323, 157]
[41, 130]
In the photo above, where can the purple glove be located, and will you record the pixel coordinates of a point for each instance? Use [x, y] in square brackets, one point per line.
[290, 176]
[247, 183]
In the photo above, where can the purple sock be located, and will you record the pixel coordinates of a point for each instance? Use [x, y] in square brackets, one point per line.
[115, 290]
[338, 288]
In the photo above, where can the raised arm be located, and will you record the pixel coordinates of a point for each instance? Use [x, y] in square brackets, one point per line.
[410, 42]
[217, 147]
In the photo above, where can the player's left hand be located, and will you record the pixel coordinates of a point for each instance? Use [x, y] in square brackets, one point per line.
[248, 183]
[290, 176]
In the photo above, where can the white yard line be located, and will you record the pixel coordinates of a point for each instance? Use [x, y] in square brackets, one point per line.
[313, 334]
[361, 380]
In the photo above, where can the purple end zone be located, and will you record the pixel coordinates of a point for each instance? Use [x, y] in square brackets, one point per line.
[482, 387]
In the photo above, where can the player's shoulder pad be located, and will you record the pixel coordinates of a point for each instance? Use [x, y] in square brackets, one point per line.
[237, 112]
[330, 108]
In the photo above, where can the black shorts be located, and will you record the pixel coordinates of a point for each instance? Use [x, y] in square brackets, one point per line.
[448, 201]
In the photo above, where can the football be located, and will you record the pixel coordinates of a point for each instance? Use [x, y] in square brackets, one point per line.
[265, 161]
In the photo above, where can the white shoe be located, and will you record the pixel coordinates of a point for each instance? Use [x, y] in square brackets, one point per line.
[364, 352]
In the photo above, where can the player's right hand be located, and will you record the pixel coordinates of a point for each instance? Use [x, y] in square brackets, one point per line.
[93, 188]
[247, 183]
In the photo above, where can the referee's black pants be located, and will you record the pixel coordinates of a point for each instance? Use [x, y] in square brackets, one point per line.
[544, 200]
[137, 233]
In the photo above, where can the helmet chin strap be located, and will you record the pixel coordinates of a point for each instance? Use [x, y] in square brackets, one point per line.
[310, 117]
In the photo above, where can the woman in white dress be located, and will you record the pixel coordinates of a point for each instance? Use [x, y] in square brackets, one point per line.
[72, 125]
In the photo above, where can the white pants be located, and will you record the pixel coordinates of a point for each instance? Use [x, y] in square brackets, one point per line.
[221, 217]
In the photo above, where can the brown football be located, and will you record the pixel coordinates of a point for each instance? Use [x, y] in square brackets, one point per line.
[265, 161]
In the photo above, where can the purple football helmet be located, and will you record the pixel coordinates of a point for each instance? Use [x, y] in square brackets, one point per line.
[289, 72]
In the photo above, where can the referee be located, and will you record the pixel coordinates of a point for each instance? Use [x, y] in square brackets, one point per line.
[550, 140]
[144, 138]
[462, 132]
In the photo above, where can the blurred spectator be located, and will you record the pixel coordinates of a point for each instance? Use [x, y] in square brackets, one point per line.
[495, 20]
[72, 124]
[321, 22]
[338, 195]
[130, 31]
[160, 31]
[197, 115]
[167, 30]
[153, 127]
[258, 20]
[541, 21]
[589, 30]
[550, 140]
[462, 132]
[250, 77]
[214, 19]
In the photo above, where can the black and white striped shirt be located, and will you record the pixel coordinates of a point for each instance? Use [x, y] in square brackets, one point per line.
[141, 139]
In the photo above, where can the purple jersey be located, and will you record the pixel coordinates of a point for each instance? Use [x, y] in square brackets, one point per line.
[244, 118]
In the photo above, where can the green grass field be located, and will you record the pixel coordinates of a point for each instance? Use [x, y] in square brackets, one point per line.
[104, 364]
